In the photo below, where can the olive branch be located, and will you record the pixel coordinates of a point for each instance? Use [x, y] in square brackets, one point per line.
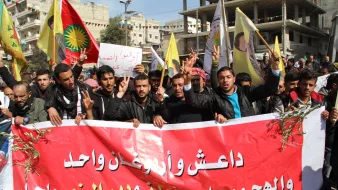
[26, 146]
[289, 121]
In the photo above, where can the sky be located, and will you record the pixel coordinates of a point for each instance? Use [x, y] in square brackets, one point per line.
[161, 10]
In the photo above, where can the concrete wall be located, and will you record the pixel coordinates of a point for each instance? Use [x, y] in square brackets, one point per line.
[331, 7]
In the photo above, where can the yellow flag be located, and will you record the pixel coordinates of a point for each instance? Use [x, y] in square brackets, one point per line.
[281, 63]
[172, 59]
[51, 37]
[244, 52]
[10, 42]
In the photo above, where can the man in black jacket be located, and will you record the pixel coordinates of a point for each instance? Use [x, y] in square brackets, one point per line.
[230, 101]
[140, 107]
[106, 79]
[42, 84]
[68, 99]
[175, 110]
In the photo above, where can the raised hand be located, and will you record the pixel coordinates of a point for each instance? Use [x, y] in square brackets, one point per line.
[79, 117]
[160, 94]
[215, 54]
[139, 68]
[193, 56]
[186, 72]
[83, 55]
[123, 87]
[87, 101]
[274, 60]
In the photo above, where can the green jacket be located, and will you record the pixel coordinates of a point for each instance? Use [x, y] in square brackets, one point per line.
[35, 111]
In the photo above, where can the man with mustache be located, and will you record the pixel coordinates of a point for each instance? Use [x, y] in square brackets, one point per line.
[230, 101]
[140, 107]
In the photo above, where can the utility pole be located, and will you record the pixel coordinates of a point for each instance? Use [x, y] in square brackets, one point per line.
[126, 12]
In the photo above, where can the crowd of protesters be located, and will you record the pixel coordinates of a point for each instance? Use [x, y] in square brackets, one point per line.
[190, 96]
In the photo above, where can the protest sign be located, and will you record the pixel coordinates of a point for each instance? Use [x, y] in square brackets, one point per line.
[122, 59]
[241, 154]
[322, 81]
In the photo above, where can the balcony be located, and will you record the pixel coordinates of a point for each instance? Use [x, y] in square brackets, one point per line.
[34, 23]
[31, 38]
[23, 13]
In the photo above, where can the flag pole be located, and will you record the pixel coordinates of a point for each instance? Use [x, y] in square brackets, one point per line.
[266, 44]
[225, 26]
[163, 72]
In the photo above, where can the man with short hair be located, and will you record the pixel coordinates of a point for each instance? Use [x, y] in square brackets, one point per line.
[243, 79]
[304, 94]
[175, 110]
[68, 99]
[27, 109]
[103, 96]
[139, 108]
[154, 79]
[291, 81]
[231, 101]
[42, 84]
[315, 63]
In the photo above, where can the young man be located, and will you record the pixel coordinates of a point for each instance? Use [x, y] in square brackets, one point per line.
[231, 101]
[27, 109]
[139, 108]
[154, 79]
[106, 79]
[304, 94]
[291, 81]
[68, 99]
[175, 109]
[243, 79]
[42, 84]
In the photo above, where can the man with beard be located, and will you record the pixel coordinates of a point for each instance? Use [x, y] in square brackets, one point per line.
[139, 108]
[175, 109]
[27, 109]
[106, 79]
[43, 83]
[230, 101]
[68, 99]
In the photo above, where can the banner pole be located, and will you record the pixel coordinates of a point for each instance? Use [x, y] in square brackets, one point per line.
[226, 33]
[163, 72]
[266, 44]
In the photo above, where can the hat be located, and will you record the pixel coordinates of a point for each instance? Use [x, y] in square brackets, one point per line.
[200, 72]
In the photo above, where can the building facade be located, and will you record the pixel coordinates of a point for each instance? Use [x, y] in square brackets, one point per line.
[196, 26]
[29, 16]
[331, 8]
[144, 31]
[302, 34]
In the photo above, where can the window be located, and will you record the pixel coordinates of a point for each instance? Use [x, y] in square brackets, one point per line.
[140, 35]
[309, 41]
[291, 36]
[300, 38]
[139, 26]
[134, 34]
[150, 36]
[156, 37]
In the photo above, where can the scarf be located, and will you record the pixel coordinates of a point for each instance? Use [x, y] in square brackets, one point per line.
[70, 101]
[23, 110]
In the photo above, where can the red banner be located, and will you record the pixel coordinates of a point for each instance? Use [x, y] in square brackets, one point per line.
[242, 154]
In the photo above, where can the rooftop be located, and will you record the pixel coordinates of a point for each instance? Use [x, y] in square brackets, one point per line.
[247, 7]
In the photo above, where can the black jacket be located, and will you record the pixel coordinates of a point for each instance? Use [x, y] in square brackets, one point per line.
[101, 104]
[55, 99]
[37, 92]
[219, 103]
[174, 110]
[124, 109]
